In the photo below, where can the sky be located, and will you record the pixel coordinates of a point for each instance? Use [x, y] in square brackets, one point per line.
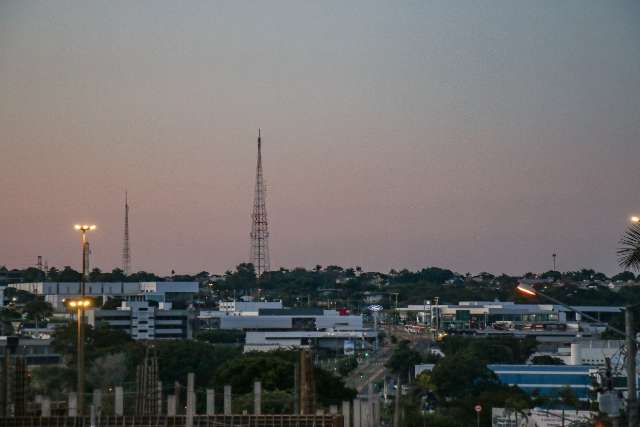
[476, 136]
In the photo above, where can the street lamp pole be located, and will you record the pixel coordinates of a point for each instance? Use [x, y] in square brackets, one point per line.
[80, 305]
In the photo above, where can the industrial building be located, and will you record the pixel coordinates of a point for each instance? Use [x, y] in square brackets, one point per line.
[56, 292]
[498, 317]
[547, 380]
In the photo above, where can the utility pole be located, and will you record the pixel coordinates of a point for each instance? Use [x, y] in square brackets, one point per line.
[632, 350]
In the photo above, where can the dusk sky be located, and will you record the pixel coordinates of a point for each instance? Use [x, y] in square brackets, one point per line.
[472, 135]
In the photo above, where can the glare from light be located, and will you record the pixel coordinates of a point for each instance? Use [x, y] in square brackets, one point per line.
[85, 227]
[635, 219]
[72, 304]
[526, 289]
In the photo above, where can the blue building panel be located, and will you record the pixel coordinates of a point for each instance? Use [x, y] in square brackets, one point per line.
[547, 380]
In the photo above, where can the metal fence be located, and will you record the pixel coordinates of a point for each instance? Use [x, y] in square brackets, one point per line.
[179, 421]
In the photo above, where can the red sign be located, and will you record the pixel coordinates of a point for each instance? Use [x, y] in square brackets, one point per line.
[478, 408]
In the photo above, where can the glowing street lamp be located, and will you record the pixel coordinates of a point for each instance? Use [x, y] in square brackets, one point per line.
[635, 219]
[80, 305]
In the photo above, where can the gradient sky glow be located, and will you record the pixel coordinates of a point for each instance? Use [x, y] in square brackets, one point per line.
[469, 135]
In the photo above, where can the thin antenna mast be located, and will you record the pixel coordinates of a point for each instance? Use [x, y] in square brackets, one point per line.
[126, 254]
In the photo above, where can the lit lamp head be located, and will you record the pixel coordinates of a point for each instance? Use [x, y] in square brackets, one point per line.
[526, 290]
[84, 227]
[80, 303]
[635, 219]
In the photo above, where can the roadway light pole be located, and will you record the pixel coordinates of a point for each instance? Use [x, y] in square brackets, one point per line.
[631, 343]
[81, 304]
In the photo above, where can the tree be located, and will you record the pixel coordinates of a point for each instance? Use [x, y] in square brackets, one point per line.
[108, 370]
[243, 278]
[53, 381]
[95, 275]
[546, 360]
[273, 369]
[38, 310]
[403, 359]
[68, 274]
[625, 276]
[567, 397]
[629, 252]
[98, 341]
[345, 366]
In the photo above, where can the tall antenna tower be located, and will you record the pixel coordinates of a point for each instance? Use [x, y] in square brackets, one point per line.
[259, 256]
[126, 254]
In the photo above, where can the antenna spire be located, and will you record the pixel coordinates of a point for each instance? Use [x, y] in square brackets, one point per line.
[126, 254]
[259, 255]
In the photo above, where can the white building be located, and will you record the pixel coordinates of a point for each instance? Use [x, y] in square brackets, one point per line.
[538, 417]
[271, 328]
[587, 352]
[56, 292]
[340, 341]
[144, 321]
[248, 308]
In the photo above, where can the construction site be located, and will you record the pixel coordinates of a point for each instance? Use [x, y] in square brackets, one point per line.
[152, 404]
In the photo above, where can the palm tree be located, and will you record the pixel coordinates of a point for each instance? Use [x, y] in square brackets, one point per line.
[629, 252]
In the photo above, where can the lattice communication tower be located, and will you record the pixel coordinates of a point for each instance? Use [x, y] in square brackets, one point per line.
[259, 255]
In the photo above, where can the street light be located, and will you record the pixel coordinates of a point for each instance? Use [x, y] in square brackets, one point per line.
[80, 305]
[635, 219]
[631, 344]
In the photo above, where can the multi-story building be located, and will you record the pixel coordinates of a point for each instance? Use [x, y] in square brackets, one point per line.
[280, 328]
[56, 292]
[144, 320]
[36, 352]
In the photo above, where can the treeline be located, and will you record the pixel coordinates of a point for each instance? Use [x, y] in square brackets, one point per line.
[112, 357]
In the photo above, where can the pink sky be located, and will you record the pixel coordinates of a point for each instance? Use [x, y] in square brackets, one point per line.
[395, 136]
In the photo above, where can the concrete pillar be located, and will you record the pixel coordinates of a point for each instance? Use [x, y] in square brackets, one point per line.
[160, 398]
[73, 404]
[227, 400]
[97, 400]
[211, 402]
[365, 414]
[376, 412]
[257, 398]
[45, 407]
[191, 399]
[356, 413]
[171, 405]
[346, 413]
[119, 401]
[576, 354]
